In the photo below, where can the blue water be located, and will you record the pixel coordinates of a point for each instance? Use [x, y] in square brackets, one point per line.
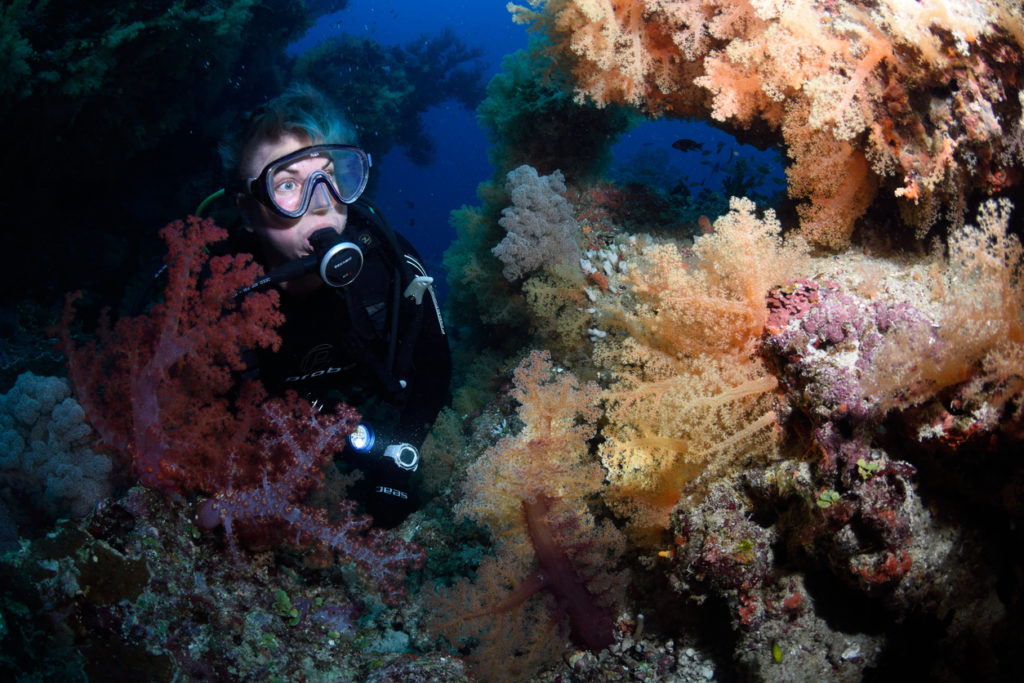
[417, 199]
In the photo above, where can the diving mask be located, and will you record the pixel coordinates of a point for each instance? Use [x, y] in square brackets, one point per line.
[287, 185]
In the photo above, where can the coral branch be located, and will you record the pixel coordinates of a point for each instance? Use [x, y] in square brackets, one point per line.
[589, 621]
[161, 389]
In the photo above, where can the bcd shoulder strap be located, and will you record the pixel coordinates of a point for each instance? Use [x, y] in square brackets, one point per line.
[402, 331]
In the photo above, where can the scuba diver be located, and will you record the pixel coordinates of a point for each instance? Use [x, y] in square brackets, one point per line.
[362, 323]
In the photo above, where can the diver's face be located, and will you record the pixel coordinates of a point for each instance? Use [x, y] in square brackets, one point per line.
[286, 239]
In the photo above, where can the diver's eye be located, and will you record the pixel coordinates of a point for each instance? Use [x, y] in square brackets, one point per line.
[287, 186]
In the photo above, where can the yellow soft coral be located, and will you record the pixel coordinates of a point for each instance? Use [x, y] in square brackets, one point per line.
[688, 392]
[979, 335]
[712, 301]
[670, 420]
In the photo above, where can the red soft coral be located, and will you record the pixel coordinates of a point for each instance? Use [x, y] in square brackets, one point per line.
[158, 390]
[154, 386]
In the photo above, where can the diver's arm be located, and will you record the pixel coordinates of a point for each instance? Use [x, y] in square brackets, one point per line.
[390, 500]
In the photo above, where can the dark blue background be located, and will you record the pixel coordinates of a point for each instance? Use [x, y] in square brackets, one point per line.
[418, 199]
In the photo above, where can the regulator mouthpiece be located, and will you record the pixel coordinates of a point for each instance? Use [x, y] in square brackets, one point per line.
[338, 262]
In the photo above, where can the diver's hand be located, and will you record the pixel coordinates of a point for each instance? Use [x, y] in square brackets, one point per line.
[390, 497]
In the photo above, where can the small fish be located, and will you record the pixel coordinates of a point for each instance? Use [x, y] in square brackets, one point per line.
[680, 190]
[410, 204]
[686, 145]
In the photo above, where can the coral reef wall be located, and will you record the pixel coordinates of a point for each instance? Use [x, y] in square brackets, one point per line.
[792, 446]
[799, 422]
[683, 446]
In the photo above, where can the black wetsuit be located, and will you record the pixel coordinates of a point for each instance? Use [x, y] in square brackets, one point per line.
[347, 345]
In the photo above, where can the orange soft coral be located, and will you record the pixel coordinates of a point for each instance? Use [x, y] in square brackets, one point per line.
[921, 99]
[531, 491]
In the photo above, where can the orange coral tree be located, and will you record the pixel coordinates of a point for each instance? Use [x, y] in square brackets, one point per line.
[922, 99]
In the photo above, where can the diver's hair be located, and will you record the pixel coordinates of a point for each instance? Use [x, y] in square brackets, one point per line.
[299, 110]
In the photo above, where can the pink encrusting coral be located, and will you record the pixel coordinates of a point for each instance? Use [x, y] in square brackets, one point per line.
[918, 100]
[826, 328]
[158, 389]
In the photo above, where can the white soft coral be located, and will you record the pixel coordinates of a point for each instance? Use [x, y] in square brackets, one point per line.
[46, 451]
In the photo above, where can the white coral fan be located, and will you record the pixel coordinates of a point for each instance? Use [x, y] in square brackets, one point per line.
[45, 448]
